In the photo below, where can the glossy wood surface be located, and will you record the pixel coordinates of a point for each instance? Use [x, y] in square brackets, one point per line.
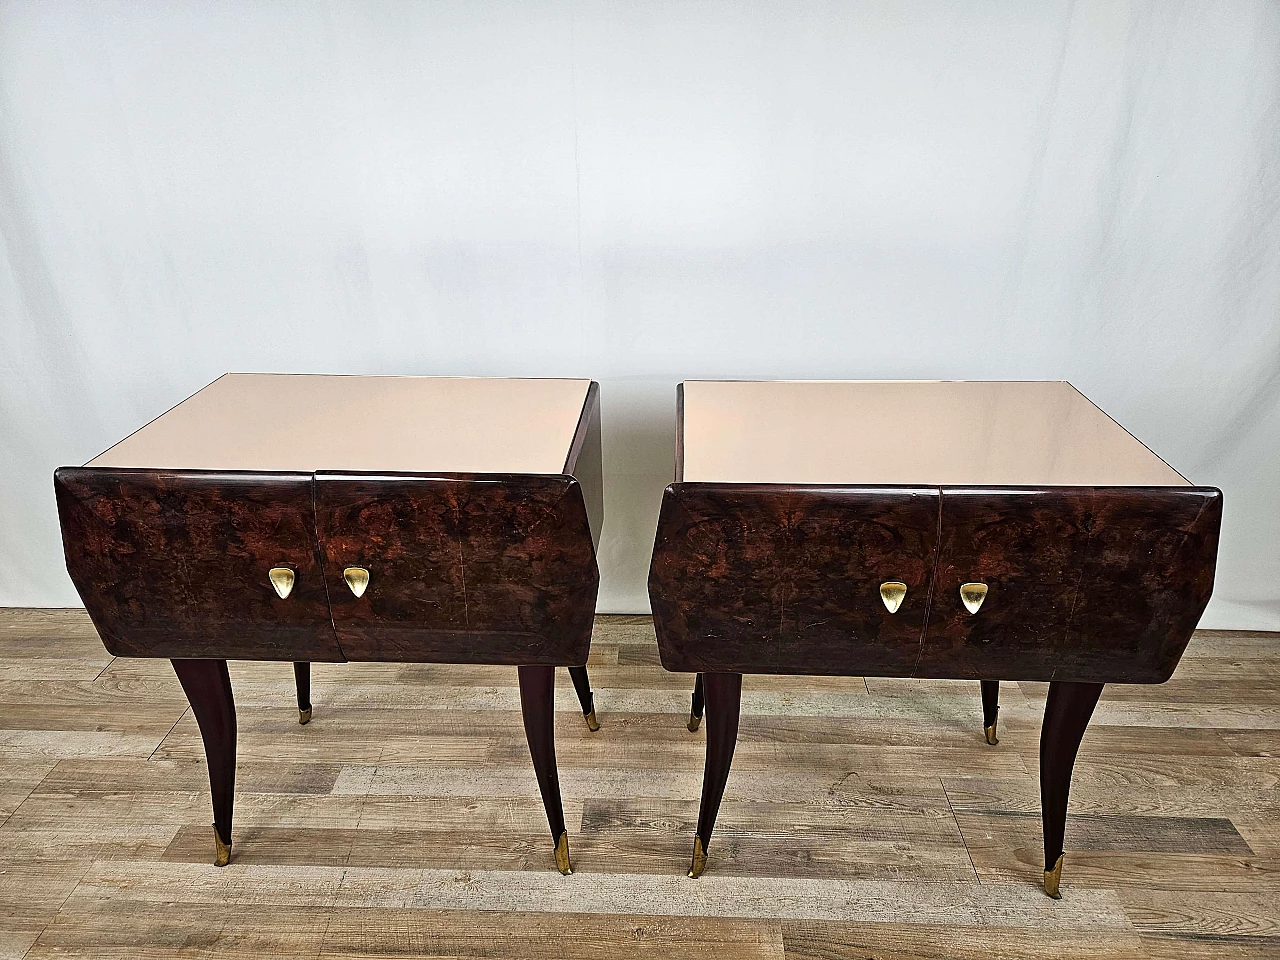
[307, 422]
[207, 685]
[762, 579]
[1067, 712]
[1090, 585]
[1083, 585]
[537, 708]
[489, 567]
[462, 569]
[1091, 558]
[175, 564]
[934, 433]
[723, 707]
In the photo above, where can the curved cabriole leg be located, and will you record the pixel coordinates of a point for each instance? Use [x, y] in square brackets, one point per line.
[537, 704]
[208, 688]
[990, 709]
[695, 707]
[587, 700]
[1066, 715]
[302, 679]
[724, 703]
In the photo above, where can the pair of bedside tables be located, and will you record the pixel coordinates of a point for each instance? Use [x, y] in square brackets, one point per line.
[987, 531]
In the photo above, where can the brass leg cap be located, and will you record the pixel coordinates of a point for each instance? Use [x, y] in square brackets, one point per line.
[699, 859]
[562, 855]
[991, 733]
[304, 716]
[695, 722]
[592, 723]
[222, 851]
[1052, 878]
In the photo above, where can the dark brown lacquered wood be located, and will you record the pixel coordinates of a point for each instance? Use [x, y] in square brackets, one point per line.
[207, 685]
[302, 682]
[990, 703]
[767, 579]
[462, 568]
[697, 703]
[1066, 717]
[1092, 585]
[582, 687]
[584, 462]
[479, 567]
[174, 563]
[537, 706]
[724, 705]
[1084, 584]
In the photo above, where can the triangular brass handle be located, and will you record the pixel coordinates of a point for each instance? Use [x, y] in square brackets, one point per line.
[972, 595]
[892, 593]
[282, 580]
[357, 579]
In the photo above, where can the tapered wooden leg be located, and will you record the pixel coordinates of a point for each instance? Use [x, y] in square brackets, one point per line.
[302, 678]
[582, 685]
[695, 708]
[537, 703]
[208, 688]
[1066, 715]
[990, 709]
[724, 703]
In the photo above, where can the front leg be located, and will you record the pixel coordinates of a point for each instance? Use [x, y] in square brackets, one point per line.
[302, 680]
[724, 704]
[208, 688]
[1066, 715]
[537, 704]
[990, 709]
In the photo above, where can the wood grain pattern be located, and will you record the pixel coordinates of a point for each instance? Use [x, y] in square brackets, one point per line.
[1085, 584]
[174, 563]
[1094, 585]
[763, 579]
[405, 820]
[463, 568]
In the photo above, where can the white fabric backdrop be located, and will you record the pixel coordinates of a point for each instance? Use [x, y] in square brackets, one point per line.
[643, 192]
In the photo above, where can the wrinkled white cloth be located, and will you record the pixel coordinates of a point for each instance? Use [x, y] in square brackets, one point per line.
[643, 193]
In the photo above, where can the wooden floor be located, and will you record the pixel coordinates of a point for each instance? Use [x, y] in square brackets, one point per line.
[862, 818]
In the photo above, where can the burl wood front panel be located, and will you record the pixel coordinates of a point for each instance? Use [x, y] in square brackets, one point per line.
[770, 579]
[174, 563]
[462, 568]
[1084, 584]
[1087, 584]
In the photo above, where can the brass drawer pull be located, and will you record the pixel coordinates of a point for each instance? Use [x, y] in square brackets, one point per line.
[892, 593]
[282, 579]
[357, 579]
[972, 595]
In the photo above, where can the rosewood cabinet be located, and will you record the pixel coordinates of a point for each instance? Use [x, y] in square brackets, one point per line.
[319, 518]
[986, 531]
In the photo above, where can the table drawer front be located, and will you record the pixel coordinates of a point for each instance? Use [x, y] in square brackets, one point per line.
[775, 579]
[1083, 584]
[461, 569]
[176, 564]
